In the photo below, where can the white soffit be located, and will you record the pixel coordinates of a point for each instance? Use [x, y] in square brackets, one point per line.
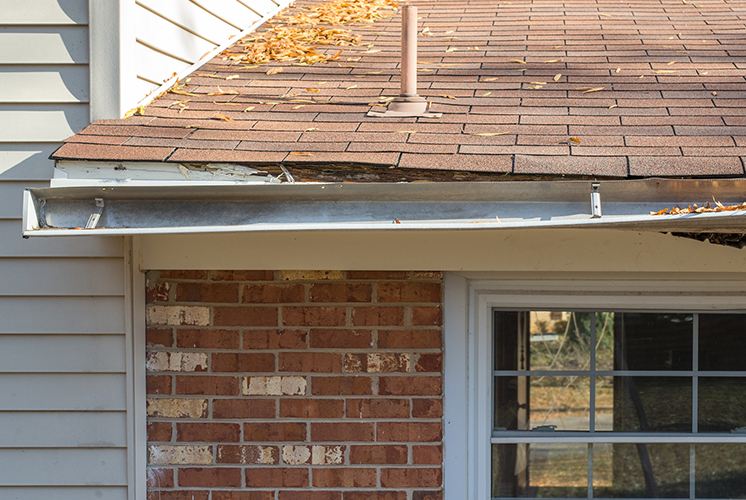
[123, 208]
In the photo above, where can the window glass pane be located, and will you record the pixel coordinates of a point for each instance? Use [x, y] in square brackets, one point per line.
[722, 404]
[506, 326]
[720, 470]
[623, 470]
[644, 341]
[644, 404]
[540, 470]
[722, 342]
[560, 340]
[542, 403]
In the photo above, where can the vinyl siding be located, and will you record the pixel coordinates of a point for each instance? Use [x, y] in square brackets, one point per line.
[63, 426]
[171, 35]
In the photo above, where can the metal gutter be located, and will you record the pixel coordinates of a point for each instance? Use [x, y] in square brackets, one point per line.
[123, 208]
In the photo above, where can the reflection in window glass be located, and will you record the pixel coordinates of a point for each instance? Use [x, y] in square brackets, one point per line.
[644, 341]
[722, 404]
[624, 470]
[542, 403]
[540, 470]
[559, 340]
[722, 342]
[644, 404]
[720, 470]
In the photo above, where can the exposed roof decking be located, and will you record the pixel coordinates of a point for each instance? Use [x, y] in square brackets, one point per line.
[673, 97]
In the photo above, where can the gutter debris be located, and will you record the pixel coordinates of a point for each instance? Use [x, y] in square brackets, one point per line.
[696, 209]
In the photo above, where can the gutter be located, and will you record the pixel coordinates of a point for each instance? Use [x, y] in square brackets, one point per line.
[131, 207]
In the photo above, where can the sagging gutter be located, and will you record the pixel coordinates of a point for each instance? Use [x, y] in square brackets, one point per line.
[167, 207]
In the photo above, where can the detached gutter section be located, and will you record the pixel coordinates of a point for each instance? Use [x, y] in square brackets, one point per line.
[124, 208]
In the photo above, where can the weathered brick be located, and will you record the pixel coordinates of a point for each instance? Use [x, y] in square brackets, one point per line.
[157, 477]
[179, 495]
[377, 362]
[247, 454]
[176, 362]
[243, 408]
[409, 291]
[179, 455]
[427, 408]
[274, 386]
[428, 495]
[310, 362]
[427, 316]
[409, 431]
[429, 363]
[242, 275]
[178, 315]
[157, 291]
[176, 408]
[378, 454]
[276, 431]
[310, 275]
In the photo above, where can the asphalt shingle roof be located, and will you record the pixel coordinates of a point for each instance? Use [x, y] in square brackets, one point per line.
[667, 80]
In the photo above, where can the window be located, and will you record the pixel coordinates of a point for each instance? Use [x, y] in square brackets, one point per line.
[606, 404]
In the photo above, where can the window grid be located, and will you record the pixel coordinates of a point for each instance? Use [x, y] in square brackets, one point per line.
[592, 436]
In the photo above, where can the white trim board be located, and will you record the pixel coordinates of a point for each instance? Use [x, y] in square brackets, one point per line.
[468, 306]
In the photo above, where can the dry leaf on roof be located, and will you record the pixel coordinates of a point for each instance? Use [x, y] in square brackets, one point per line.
[274, 71]
[538, 83]
[593, 89]
[451, 49]
[696, 209]
[552, 61]
[446, 96]
[490, 134]
[300, 153]
[575, 140]
[221, 117]
[518, 61]
[613, 106]
[486, 94]
[138, 111]
[490, 79]
[557, 77]
[311, 129]
[299, 106]
[351, 87]
[407, 131]
[223, 92]
[665, 71]
[312, 90]
[250, 108]
[178, 88]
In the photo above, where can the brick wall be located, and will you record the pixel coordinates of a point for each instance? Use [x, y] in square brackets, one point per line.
[294, 385]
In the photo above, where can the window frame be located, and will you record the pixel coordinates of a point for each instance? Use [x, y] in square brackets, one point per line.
[469, 303]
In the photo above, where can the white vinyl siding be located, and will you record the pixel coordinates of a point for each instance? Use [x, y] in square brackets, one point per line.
[63, 431]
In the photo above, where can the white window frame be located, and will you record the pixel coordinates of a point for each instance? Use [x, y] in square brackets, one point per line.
[469, 301]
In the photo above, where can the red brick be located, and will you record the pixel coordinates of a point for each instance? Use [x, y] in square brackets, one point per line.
[427, 495]
[210, 476]
[243, 408]
[410, 477]
[314, 316]
[331, 339]
[408, 291]
[343, 386]
[158, 384]
[431, 455]
[310, 495]
[178, 495]
[342, 431]
[344, 478]
[377, 316]
[242, 275]
[312, 408]
[243, 362]
[160, 478]
[310, 362]
[377, 362]
[375, 495]
[427, 408]
[378, 408]
[204, 384]
[340, 292]
[275, 431]
[242, 495]
[409, 339]
[377, 275]
[274, 293]
[246, 454]
[381, 454]
[159, 337]
[409, 431]
[206, 292]
[208, 339]
[429, 316]
[177, 274]
[429, 363]
[245, 316]
[274, 339]
[208, 431]
[416, 386]
[276, 477]
[159, 431]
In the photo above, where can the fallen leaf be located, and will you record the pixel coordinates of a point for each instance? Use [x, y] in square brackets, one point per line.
[490, 79]
[557, 77]
[618, 70]
[312, 91]
[221, 117]
[490, 134]
[552, 61]
[300, 153]
[223, 92]
[538, 83]
[312, 129]
[575, 140]
[232, 77]
[274, 71]
[299, 106]
[613, 106]
[139, 111]
[670, 63]
[447, 96]
[451, 49]
[486, 94]
[518, 61]
[406, 131]
[351, 87]
[593, 89]
[250, 108]
[665, 71]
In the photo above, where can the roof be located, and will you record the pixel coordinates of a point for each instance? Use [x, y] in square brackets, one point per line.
[595, 88]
